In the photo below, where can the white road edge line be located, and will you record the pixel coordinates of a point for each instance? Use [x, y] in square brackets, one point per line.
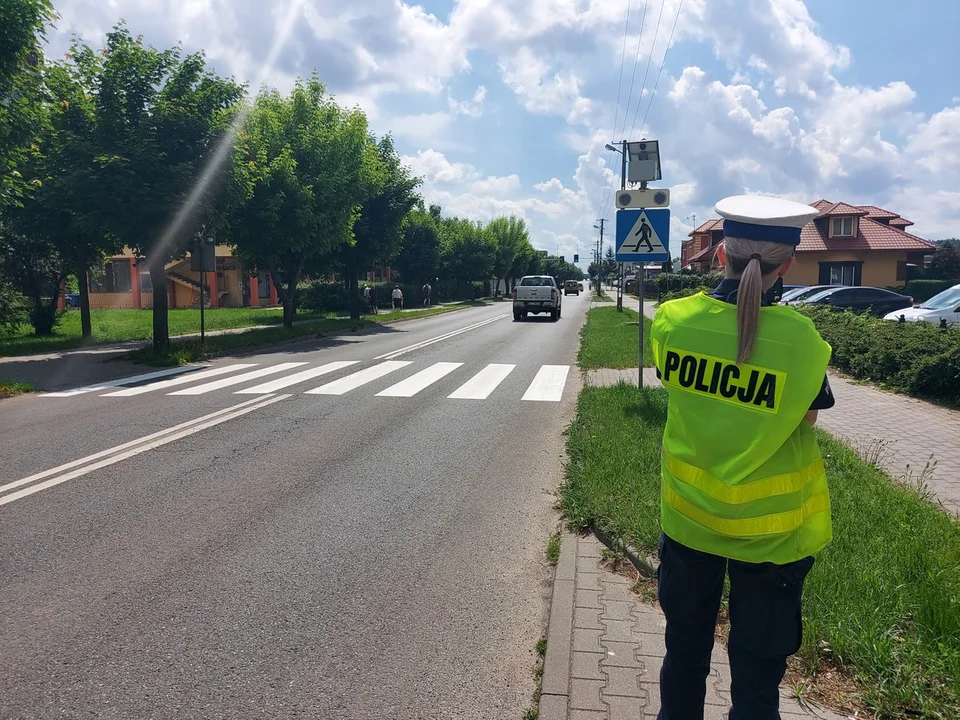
[124, 446]
[237, 411]
[439, 338]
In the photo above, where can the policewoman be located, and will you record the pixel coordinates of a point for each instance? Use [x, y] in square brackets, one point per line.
[743, 489]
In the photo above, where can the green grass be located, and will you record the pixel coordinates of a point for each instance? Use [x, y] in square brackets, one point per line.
[116, 326]
[609, 339]
[188, 351]
[883, 600]
[553, 548]
[9, 389]
[601, 298]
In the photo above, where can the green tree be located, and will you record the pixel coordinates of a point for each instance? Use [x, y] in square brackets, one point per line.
[418, 260]
[468, 252]
[22, 26]
[64, 179]
[37, 270]
[161, 119]
[510, 238]
[302, 169]
[945, 263]
[377, 230]
[610, 265]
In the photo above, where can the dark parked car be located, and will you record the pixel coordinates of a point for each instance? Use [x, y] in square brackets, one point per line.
[803, 294]
[875, 300]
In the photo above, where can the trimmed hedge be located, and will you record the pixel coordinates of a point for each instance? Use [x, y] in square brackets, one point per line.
[918, 358]
[673, 282]
[923, 290]
[324, 296]
[686, 292]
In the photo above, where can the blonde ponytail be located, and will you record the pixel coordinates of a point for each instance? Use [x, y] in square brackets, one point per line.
[752, 260]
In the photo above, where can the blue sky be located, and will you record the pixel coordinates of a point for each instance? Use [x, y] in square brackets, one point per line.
[504, 106]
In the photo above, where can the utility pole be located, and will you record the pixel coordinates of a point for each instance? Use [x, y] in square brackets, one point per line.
[599, 257]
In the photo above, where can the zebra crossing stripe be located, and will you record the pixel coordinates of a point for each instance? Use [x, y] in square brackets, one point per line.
[548, 384]
[182, 380]
[358, 379]
[423, 379]
[483, 383]
[274, 385]
[237, 379]
[123, 381]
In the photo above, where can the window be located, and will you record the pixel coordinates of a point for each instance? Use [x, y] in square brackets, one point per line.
[537, 282]
[114, 278]
[843, 227]
[263, 285]
[841, 273]
[146, 284]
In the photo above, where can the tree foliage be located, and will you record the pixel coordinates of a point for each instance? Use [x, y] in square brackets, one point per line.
[160, 116]
[302, 169]
[945, 263]
[418, 257]
[512, 241]
[22, 26]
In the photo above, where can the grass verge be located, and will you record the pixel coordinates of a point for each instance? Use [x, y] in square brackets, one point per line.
[192, 350]
[609, 339]
[9, 389]
[882, 603]
[601, 298]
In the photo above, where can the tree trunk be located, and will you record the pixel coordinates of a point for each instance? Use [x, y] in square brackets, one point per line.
[86, 325]
[161, 327]
[289, 304]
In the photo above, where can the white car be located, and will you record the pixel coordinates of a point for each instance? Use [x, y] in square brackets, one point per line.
[941, 307]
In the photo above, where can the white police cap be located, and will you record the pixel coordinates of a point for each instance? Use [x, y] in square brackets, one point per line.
[764, 218]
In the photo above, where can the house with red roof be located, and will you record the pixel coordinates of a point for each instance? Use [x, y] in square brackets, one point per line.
[844, 245]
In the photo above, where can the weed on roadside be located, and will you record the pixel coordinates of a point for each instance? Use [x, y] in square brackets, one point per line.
[10, 389]
[553, 548]
[533, 713]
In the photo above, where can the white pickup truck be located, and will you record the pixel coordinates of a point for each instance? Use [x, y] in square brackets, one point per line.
[536, 294]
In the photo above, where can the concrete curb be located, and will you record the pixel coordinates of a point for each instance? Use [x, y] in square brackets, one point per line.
[645, 564]
[556, 665]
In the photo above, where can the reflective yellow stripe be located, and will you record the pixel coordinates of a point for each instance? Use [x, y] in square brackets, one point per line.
[736, 494]
[749, 527]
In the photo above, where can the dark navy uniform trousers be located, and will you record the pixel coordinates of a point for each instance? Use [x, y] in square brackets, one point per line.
[765, 629]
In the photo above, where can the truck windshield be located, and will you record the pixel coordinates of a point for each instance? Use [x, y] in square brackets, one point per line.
[537, 282]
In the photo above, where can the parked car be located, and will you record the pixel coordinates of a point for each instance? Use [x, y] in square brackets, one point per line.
[877, 301]
[536, 294]
[571, 287]
[798, 295]
[942, 307]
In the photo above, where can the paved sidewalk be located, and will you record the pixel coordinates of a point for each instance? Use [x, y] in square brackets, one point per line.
[905, 436]
[605, 648]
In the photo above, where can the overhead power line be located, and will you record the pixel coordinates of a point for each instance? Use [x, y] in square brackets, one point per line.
[662, 63]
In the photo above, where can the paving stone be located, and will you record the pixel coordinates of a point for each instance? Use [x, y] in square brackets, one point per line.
[587, 618]
[588, 599]
[587, 715]
[566, 567]
[622, 682]
[624, 655]
[587, 565]
[588, 547]
[616, 631]
[585, 695]
[553, 707]
[617, 610]
[652, 644]
[590, 581]
[629, 708]
[586, 666]
[585, 640]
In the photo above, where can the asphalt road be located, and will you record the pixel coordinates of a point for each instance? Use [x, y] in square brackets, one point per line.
[373, 550]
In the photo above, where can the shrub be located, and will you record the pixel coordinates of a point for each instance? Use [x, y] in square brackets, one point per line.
[673, 282]
[686, 292]
[324, 296]
[917, 358]
[13, 308]
[923, 290]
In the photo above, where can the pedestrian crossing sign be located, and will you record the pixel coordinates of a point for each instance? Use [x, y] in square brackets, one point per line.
[643, 235]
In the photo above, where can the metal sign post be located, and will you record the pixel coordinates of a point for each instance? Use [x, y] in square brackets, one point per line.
[640, 325]
[200, 253]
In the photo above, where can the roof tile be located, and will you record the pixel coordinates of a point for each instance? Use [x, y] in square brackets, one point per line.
[841, 208]
[872, 235]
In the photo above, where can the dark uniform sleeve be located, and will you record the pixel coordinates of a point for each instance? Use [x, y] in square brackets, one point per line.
[824, 400]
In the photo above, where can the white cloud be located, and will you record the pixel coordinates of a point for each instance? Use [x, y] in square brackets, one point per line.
[471, 108]
[543, 92]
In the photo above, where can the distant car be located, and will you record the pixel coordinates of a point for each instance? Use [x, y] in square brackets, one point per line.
[801, 294]
[571, 287]
[876, 301]
[942, 307]
[536, 294]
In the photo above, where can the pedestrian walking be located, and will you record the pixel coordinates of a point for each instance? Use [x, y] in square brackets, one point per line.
[743, 487]
[397, 298]
[426, 294]
[372, 299]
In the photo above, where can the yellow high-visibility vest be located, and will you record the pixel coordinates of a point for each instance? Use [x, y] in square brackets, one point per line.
[741, 473]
